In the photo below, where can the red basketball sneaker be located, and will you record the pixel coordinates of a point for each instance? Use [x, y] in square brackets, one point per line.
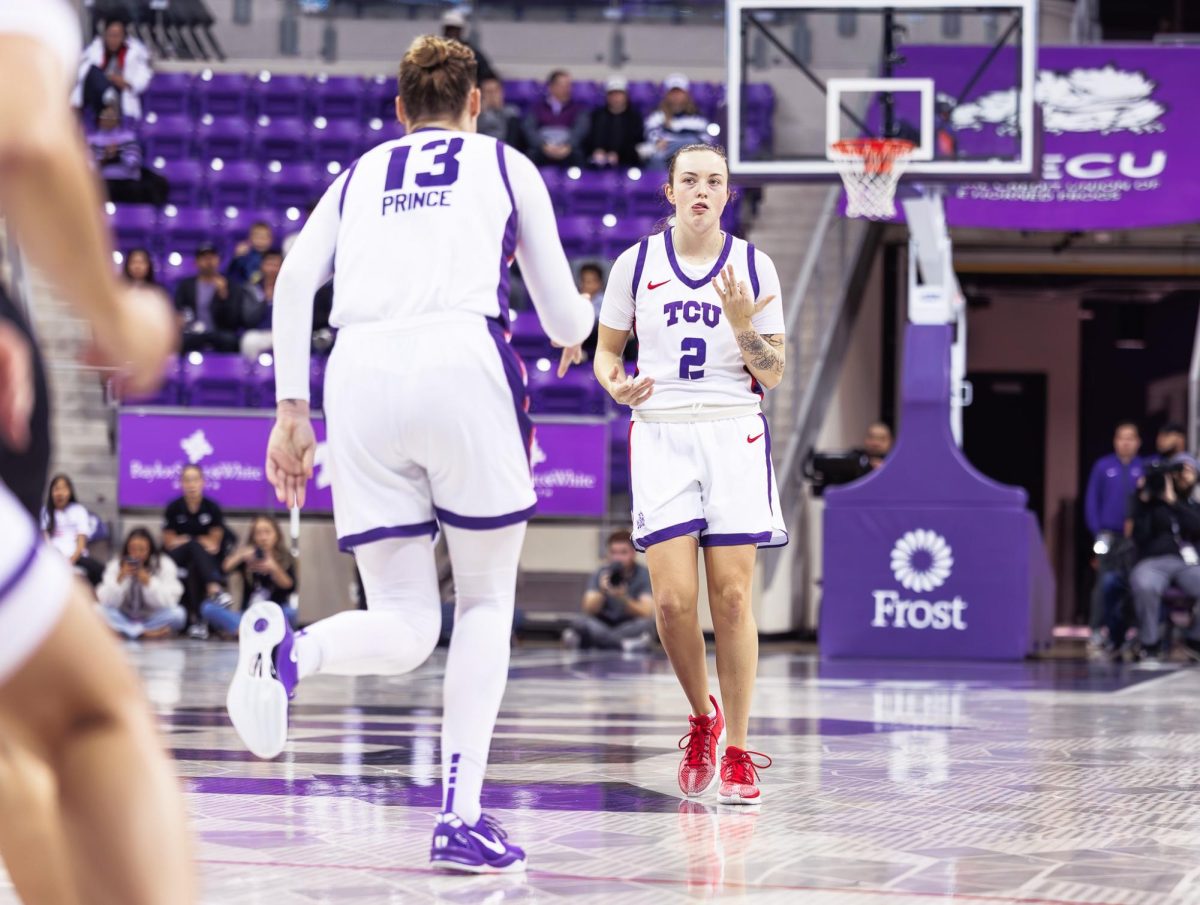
[739, 776]
[698, 768]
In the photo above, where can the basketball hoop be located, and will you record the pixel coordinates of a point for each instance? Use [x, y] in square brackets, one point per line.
[871, 169]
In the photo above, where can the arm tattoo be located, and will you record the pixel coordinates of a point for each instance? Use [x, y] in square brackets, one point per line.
[762, 350]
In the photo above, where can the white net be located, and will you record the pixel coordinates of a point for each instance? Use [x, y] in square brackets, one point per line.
[871, 169]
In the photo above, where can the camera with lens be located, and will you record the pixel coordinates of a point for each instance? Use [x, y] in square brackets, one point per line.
[616, 575]
[1157, 474]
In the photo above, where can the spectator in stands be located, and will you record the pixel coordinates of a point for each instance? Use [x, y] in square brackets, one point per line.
[1171, 440]
[139, 597]
[68, 525]
[139, 268]
[591, 284]
[497, 119]
[1166, 529]
[195, 537]
[118, 157]
[556, 125]
[616, 129]
[454, 27]
[1111, 484]
[115, 69]
[877, 444]
[268, 572]
[257, 339]
[677, 122]
[618, 608]
[248, 254]
[213, 307]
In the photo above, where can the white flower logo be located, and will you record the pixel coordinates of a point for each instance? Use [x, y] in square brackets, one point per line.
[921, 560]
[196, 447]
[537, 455]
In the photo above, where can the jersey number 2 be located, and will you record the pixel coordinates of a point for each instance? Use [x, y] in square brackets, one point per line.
[695, 353]
[445, 163]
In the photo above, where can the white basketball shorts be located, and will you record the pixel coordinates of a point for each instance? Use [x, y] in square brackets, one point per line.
[427, 423]
[35, 582]
[709, 479]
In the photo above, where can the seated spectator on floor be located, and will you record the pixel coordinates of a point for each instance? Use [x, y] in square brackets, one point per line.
[248, 254]
[497, 119]
[257, 339]
[676, 123]
[1166, 529]
[268, 573]
[1171, 440]
[114, 70]
[67, 525]
[618, 608]
[877, 444]
[138, 269]
[139, 596]
[214, 309]
[616, 129]
[556, 124]
[195, 537]
[118, 157]
[454, 27]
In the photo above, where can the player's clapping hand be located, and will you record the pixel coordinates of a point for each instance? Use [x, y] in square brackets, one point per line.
[138, 341]
[626, 390]
[290, 452]
[736, 301]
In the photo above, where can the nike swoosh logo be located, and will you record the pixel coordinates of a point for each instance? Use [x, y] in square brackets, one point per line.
[653, 285]
[752, 439]
[491, 845]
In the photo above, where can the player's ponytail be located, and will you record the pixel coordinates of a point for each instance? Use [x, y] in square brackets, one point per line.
[436, 76]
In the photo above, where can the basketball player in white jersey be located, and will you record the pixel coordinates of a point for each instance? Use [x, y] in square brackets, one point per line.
[427, 422]
[89, 809]
[705, 307]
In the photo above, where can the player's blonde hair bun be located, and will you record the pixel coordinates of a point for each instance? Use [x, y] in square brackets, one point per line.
[436, 75]
[431, 52]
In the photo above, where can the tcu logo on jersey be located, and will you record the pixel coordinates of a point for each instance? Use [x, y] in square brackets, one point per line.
[692, 312]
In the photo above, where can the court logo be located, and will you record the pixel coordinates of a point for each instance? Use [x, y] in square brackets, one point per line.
[196, 447]
[922, 560]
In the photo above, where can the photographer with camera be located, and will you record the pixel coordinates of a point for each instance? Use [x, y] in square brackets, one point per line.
[618, 608]
[268, 572]
[1166, 529]
[139, 594]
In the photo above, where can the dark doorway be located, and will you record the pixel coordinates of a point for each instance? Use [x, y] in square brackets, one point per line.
[1004, 431]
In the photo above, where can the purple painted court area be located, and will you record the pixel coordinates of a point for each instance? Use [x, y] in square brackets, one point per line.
[893, 782]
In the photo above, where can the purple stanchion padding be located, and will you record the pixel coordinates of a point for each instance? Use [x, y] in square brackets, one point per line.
[927, 558]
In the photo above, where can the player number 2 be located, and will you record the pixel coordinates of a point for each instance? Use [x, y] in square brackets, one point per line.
[695, 352]
[445, 165]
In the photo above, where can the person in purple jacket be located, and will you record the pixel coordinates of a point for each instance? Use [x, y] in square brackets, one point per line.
[118, 156]
[1111, 485]
[555, 125]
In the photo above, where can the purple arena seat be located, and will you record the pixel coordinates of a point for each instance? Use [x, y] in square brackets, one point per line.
[167, 394]
[233, 223]
[706, 96]
[336, 140]
[380, 130]
[282, 139]
[169, 274]
[523, 93]
[214, 380]
[554, 177]
[644, 196]
[338, 96]
[293, 185]
[169, 93]
[185, 229]
[578, 235]
[644, 95]
[592, 192]
[578, 393]
[281, 95]
[168, 135]
[135, 225]
[528, 339]
[379, 97]
[186, 180]
[261, 385]
[590, 94]
[222, 94]
[224, 137]
[625, 232]
[235, 184]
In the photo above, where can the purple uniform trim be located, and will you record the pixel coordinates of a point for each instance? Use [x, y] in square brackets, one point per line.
[754, 286]
[484, 523]
[508, 245]
[767, 442]
[643, 246]
[346, 185]
[657, 537]
[705, 280]
[514, 371]
[734, 540]
[349, 542]
[22, 569]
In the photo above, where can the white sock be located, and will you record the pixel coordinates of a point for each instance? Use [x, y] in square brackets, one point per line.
[485, 578]
[399, 630]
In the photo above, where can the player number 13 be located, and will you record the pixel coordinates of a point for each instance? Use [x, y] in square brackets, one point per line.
[445, 165]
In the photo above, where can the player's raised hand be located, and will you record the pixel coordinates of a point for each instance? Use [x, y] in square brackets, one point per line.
[626, 390]
[290, 452]
[16, 387]
[571, 355]
[736, 301]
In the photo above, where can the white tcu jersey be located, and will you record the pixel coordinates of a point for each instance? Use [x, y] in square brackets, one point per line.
[684, 341]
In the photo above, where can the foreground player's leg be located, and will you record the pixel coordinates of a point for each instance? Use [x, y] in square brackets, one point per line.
[485, 578]
[33, 842]
[672, 566]
[395, 636]
[75, 704]
[730, 573]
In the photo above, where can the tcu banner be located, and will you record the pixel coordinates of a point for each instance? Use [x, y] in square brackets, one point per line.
[570, 463]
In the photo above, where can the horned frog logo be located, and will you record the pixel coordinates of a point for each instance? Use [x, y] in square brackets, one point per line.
[1103, 100]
